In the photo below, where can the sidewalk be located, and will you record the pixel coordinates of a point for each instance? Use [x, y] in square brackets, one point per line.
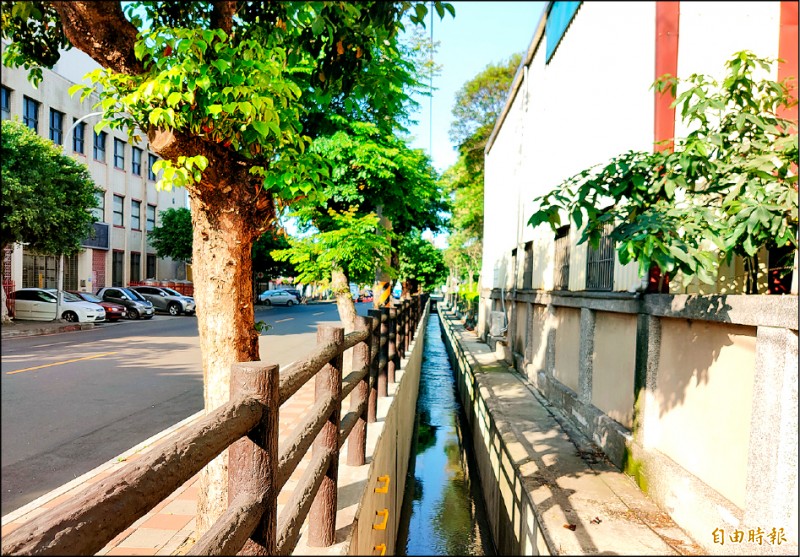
[169, 528]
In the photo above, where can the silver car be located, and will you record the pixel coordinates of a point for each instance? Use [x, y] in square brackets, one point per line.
[273, 297]
[167, 299]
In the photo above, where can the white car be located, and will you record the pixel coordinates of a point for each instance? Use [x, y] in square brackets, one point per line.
[272, 297]
[39, 304]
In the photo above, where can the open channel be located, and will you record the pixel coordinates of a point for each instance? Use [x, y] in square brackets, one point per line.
[443, 509]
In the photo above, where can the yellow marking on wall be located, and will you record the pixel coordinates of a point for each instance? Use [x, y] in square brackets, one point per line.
[61, 363]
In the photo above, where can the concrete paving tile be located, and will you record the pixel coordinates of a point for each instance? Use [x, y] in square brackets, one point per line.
[181, 506]
[168, 521]
[147, 537]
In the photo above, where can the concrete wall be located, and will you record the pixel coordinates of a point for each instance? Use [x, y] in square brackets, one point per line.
[694, 396]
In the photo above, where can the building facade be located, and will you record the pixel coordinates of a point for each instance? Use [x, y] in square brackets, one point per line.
[118, 252]
[692, 392]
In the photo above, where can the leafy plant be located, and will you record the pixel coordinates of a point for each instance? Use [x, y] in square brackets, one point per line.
[728, 188]
[173, 237]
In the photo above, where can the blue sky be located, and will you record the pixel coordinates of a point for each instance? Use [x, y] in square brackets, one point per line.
[481, 33]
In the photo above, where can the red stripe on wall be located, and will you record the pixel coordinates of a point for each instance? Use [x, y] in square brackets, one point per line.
[787, 51]
[667, 27]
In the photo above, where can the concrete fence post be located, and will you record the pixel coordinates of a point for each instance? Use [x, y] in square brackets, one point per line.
[400, 337]
[253, 460]
[383, 358]
[328, 383]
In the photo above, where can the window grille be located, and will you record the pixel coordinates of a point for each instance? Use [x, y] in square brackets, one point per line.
[561, 278]
[527, 278]
[600, 263]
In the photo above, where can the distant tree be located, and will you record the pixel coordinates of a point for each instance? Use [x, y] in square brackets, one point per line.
[46, 197]
[173, 237]
[264, 262]
[477, 107]
[422, 265]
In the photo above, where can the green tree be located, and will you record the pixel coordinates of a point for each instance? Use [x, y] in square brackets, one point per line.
[173, 238]
[478, 105]
[264, 262]
[422, 265]
[229, 95]
[46, 196]
[371, 172]
[728, 188]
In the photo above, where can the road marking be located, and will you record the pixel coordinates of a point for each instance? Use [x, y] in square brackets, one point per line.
[282, 320]
[318, 313]
[60, 363]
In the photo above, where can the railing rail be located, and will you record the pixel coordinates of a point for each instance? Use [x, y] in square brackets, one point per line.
[258, 468]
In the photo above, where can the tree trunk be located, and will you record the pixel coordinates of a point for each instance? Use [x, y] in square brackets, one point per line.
[340, 285]
[222, 272]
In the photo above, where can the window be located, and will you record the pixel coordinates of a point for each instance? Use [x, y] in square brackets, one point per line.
[119, 214]
[151, 217]
[561, 278]
[136, 214]
[119, 153]
[78, 136]
[558, 19]
[56, 127]
[99, 212]
[30, 114]
[136, 266]
[136, 161]
[5, 102]
[527, 277]
[117, 268]
[100, 146]
[151, 160]
[600, 263]
[151, 266]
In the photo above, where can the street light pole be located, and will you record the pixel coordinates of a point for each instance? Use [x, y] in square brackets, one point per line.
[60, 268]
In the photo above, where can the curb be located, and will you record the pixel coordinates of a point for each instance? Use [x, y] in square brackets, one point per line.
[118, 461]
[44, 330]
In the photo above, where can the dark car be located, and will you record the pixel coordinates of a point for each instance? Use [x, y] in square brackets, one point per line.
[114, 311]
[136, 306]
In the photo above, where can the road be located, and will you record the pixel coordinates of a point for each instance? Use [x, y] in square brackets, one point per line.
[73, 401]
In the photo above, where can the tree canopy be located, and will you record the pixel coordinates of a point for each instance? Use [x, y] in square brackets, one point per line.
[478, 105]
[421, 264]
[728, 188]
[47, 196]
[173, 237]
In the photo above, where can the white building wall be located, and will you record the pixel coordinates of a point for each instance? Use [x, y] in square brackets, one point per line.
[591, 102]
[52, 92]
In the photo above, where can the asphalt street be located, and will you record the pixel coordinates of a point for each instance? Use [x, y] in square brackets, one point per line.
[72, 401]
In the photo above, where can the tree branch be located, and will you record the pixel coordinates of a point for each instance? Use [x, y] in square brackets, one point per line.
[222, 15]
[100, 30]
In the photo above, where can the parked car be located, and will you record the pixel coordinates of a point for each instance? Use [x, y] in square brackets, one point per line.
[365, 296]
[135, 304]
[279, 297]
[114, 312]
[39, 304]
[166, 299]
[293, 291]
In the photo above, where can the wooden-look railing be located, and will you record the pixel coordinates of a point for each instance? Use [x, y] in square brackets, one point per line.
[257, 467]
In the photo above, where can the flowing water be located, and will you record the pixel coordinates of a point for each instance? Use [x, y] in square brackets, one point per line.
[443, 510]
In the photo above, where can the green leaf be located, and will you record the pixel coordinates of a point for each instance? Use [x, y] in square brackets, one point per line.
[174, 98]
